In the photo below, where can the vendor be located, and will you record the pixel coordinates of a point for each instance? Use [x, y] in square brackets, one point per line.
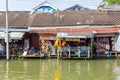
[32, 50]
[107, 49]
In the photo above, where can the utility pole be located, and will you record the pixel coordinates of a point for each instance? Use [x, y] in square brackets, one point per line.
[6, 37]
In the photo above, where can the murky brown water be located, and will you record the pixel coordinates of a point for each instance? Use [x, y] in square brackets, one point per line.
[60, 69]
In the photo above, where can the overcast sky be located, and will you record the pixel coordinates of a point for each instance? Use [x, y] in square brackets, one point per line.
[28, 5]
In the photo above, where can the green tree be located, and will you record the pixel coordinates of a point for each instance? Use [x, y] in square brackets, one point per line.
[111, 2]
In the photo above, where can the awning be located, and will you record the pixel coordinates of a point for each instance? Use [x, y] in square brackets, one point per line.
[75, 35]
[2, 35]
[104, 35]
[47, 38]
[13, 30]
[16, 35]
[12, 35]
[72, 36]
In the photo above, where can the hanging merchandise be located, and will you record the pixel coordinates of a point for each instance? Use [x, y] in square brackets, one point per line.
[73, 39]
[102, 42]
[63, 43]
[112, 38]
[57, 43]
[117, 43]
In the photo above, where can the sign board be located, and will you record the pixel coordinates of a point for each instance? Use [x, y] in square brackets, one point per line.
[72, 39]
[62, 34]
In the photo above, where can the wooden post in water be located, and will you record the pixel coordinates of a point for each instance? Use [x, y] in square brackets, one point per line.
[91, 47]
[69, 52]
[97, 47]
[57, 53]
[60, 52]
[78, 52]
[88, 53]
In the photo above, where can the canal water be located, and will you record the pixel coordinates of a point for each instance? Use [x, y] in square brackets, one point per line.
[53, 69]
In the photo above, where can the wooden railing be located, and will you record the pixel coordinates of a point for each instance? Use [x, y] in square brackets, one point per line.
[75, 50]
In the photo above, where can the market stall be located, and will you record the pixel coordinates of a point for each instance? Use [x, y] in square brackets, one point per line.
[105, 44]
[77, 44]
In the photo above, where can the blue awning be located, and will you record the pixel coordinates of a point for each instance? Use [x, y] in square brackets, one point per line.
[74, 35]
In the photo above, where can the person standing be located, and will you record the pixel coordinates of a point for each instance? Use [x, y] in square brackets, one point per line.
[107, 49]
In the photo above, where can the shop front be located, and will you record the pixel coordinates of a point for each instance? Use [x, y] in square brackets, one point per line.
[41, 42]
[16, 41]
[105, 44]
[77, 42]
[75, 45]
[46, 42]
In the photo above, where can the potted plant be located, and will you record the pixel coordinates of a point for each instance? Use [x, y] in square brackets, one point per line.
[19, 53]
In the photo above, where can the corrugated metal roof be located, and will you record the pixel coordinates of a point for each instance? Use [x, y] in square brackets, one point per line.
[79, 30]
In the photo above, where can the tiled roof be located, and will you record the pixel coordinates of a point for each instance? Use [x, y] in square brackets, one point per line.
[65, 18]
[74, 18]
[16, 19]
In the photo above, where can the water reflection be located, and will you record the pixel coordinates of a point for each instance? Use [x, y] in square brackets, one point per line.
[7, 71]
[116, 70]
[56, 69]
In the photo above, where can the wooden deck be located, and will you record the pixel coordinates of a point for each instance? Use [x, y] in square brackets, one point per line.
[97, 57]
[33, 57]
[75, 58]
[39, 56]
[10, 56]
[92, 58]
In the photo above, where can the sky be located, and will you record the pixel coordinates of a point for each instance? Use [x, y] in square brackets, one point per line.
[28, 5]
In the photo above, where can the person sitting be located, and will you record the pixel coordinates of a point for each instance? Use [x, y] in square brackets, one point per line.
[32, 50]
[13, 51]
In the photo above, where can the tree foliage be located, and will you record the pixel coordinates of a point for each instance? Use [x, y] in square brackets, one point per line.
[111, 2]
